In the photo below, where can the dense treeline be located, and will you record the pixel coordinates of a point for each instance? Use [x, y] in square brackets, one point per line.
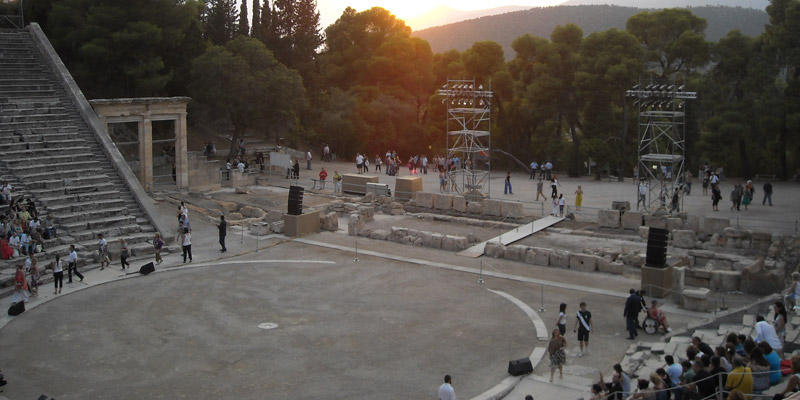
[367, 85]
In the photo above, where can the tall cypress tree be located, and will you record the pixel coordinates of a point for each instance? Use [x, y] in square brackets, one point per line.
[220, 20]
[256, 21]
[244, 25]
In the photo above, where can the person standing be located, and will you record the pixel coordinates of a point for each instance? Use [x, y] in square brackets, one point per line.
[58, 274]
[767, 194]
[73, 264]
[534, 167]
[20, 286]
[642, 195]
[446, 391]
[186, 244]
[583, 325]
[308, 160]
[561, 322]
[34, 277]
[716, 196]
[557, 356]
[554, 185]
[123, 254]
[555, 207]
[322, 176]
[158, 244]
[377, 163]
[102, 249]
[337, 182]
[631, 313]
[507, 188]
[223, 231]
[562, 202]
[578, 198]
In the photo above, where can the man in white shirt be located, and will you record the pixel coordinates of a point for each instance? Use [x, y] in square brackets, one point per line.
[446, 391]
[5, 192]
[766, 333]
[25, 242]
[15, 244]
[102, 249]
[34, 224]
[240, 166]
[73, 264]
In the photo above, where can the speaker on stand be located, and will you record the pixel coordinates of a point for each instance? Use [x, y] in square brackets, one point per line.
[295, 200]
[657, 248]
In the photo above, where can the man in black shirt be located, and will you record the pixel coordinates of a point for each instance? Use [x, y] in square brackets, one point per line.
[631, 313]
[704, 347]
[767, 194]
[223, 231]
[703, 385]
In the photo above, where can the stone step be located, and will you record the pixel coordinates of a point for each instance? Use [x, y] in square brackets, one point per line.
[32, 169]
[97, 187]
[78, 181]
[36, 103]
[61, 174]
[16, 87]
[50, 123]
[27, 93]
[13, 155]
[109, 232]
[57, 144]
[37, 135]
[99, 196]
[22, 59]
[89, 215]
[43, 161]
[49, 110]
[98, 224]
[40, 117]
[75, 207]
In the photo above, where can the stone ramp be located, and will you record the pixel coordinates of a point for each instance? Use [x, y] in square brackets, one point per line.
[512, 235]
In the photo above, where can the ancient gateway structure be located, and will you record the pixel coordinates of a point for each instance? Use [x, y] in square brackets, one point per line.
[144, 111]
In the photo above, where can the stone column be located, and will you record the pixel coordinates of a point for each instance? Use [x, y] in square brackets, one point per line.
[146, 153]
[181, 153]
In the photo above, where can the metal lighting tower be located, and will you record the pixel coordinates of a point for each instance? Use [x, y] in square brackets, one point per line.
[469, 141]
[662, 138]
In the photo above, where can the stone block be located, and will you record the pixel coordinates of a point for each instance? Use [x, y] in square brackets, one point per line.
[674, 223]
[644, 231]
[475, 207]
[423, 199]
[696, 299]
[406, 186]
[727, 281]
[379, 234]
[434, 240]
[442, 201]
[655, 221]
[583, 262]
[260, 228]
[330, 222]
[692, 222]
[512, 209]
[604, 264]
[494, 250]
[278, 226]
[454, 243]
[621, 205]
[715, 225]
[538, 256]
[459, 204]
[355, 224]
[684, 239]
[757, 279]
[398, 234]
[658, 348]
[357, 183]
[516, 252]
[559, 258]
[736, 233]
[632, 220]
[492, 208]
[608, 218]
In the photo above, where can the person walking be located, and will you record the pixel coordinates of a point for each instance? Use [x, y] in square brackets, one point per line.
[123, 254]
[767, 194]
[102, 249]
[308, 159]
[749, 193]
[561, 322]
[539, 187]
[507, 188]
[223, 231]
[642, 196]
[554, 185]
[158, 244]
[578, 198]
[58, 274]
[73, 264]
[736, 197]
[446, 391]
[186, 244]
[631, 313]
[583, 325]
[557, 355]
[716, 196]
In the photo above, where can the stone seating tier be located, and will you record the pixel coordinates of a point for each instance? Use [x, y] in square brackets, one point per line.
[50, 155]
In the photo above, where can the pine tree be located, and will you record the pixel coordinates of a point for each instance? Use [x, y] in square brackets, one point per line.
[244, 26]
[220, 20]
[297, 26]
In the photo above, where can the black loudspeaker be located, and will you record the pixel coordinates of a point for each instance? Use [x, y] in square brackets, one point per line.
[657, 247]
[16, 308]
[519, 367]
[147, 268]
[295, 200]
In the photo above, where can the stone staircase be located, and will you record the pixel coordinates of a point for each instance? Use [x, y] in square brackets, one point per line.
[48, 154]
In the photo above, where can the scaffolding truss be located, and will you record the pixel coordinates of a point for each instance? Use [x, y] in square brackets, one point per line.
[469, 139]
[11, 20]
[661, 140]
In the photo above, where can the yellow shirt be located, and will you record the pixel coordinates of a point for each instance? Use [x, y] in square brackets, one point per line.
[740, 378]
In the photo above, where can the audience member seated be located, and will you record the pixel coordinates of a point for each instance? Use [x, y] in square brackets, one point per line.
[658, 315]
[760, 368]
[793, 385]
[774, 361]
[740, 377]
[6, 252]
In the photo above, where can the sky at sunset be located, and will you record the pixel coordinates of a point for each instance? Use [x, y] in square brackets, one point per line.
[331, 10]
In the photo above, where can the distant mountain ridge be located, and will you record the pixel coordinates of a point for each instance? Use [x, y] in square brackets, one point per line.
[444, 15]
[755, 4]
[504, 28]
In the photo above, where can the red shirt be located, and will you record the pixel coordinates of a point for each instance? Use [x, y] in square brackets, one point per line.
[323, 175]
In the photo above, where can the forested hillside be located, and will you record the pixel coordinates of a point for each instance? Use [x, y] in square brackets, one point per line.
[504, 28]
